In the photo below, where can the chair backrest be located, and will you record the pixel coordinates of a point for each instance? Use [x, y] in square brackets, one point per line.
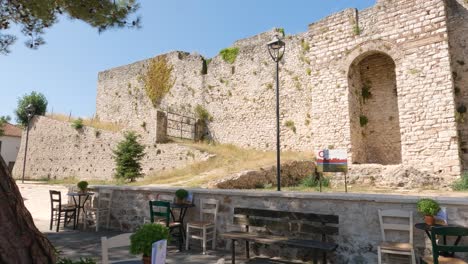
[402, 216]
[161, 210]
[113, 242]
[209, 207]
[55, 200]
[104, 199]
[447, 231]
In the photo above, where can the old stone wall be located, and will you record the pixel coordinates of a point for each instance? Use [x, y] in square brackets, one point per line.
[458, 39]
[57, 151]
[359, 230]
[315, 89]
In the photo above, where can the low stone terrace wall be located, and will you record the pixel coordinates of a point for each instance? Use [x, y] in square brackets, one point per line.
[359, 230]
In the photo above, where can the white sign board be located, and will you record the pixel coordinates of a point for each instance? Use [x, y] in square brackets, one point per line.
[332, 160]
[158, 254]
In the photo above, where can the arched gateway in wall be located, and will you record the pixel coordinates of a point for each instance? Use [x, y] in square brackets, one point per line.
[373, 105]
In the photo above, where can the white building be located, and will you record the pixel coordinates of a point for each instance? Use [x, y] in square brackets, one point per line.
[10, 143]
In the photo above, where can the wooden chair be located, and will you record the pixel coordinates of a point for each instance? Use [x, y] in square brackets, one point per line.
[398, 248]
[122, 240]
[437, 249]
[165, 198]
[59, 210]
[206, 226]
[160, 212]
[101, 211]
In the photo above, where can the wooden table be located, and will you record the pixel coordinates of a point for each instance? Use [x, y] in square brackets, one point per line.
[79, 205]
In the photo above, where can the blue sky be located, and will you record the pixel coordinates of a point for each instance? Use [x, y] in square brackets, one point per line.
[65, 68]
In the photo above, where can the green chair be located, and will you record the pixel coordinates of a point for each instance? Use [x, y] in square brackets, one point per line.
[437, 249]
[160, 212]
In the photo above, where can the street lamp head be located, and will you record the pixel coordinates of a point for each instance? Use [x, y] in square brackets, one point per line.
[276, 48]
[30, 110]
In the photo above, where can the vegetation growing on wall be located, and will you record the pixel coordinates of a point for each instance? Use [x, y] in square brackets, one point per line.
[203, 114]
[290, 124]
[305, 45]
[281, 31]
[229, 54]
[77, 124]
[365, 92]
[363, 120]
[460, 114]
[158, 79]
[91, 122]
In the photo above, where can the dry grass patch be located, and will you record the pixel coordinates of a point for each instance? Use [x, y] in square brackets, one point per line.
[226, 160]
[90, 122]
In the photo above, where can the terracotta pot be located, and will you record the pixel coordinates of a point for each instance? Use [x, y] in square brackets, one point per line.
[180, 201]
[429, 219]
[146, 260]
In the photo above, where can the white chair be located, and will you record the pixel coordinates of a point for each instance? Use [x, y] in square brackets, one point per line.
[165, 198]
[399, 248]
[101, 211]
[118, 241]
[205, 225]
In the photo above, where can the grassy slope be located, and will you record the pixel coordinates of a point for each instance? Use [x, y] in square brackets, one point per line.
[227, 159]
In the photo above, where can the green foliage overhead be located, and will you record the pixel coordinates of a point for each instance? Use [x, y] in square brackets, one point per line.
[158, 79]
[33, 17]
[82, 185]
[181, 194]
[428, 207]
[142, 240]
[203, 114]
[39, 102]
[229, 54]
[127, 156]
[77, 124]
[3, 121]
[462, 183]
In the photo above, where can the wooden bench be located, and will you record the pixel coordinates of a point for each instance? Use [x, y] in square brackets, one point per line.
[292, 229]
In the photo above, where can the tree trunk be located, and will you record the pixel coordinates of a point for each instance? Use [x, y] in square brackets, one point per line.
[21, 242]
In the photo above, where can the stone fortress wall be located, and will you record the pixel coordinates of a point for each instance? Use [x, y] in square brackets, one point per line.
[57, 151]
[404, 52]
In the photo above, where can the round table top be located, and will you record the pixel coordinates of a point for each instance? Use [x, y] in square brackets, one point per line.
[182, 205]
[79, 193]
[426, 227]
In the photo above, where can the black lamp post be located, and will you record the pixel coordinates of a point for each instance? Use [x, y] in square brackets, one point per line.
[30, 110]
[276, 49]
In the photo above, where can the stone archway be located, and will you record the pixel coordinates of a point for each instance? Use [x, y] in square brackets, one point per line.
[373, 107]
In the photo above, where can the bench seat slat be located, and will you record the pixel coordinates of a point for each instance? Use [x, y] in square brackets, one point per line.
[268, 239]
[329, 219]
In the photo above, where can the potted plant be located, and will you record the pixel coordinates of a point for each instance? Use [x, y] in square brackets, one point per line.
[429, 208]
[141, 242]
[181, 195]
[83, 186]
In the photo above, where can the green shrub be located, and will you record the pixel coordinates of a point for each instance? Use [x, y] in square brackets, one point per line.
[281, 31]
[128, 155]
[3, 121]
[461, 184]
[305, 45]
[77, 123]
[312, 182]
[82, 185]
[365, 92]
[428, 207]
[141, 242]
[229, 54]
[158, 79]
[181, 194]
[36, 99]
[356, 30]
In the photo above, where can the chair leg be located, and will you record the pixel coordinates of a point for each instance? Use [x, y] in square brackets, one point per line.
[187, 238]
[59, 214]
[51, 219]
[413, 257]
[204, 240]
[97, 222]
[379, 255]
[233, 251]
[181, 237]
[213, 242]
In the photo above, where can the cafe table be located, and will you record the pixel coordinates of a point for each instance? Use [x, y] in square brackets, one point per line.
[182, 208]
[80, 199]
